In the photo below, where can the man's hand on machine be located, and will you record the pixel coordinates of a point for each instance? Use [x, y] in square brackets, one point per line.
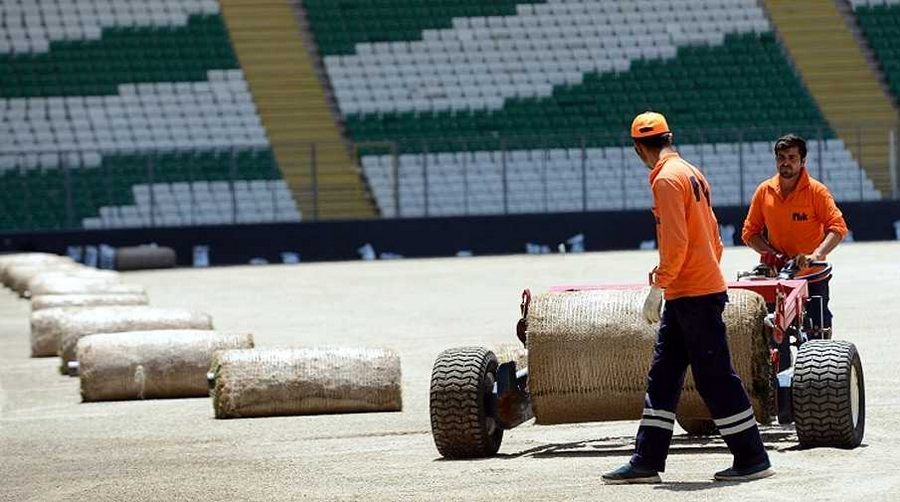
[803, 260]
[774, 261]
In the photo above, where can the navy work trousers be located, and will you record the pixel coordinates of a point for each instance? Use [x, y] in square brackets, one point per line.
[692, 332]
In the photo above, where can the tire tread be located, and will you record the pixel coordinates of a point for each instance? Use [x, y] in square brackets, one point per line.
[457, 404]
[821, 394]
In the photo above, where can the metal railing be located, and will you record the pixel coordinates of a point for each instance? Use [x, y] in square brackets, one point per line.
[437, 177]
[121, 189]
[588, 173]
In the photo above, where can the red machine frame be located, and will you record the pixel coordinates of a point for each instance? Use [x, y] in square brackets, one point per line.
[788, 297]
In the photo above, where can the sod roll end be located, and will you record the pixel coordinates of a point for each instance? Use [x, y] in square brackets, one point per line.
[46, 330]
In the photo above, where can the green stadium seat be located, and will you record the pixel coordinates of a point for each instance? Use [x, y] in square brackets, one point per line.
[881, 26]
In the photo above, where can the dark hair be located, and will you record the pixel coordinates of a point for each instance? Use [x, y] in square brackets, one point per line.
[790, 141]
[657, 142]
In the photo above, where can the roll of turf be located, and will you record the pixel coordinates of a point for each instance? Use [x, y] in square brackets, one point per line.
[41, 302]
[303, 381]
[17, 277]
[83, 285]
[74, 324]
[37, 260]
[589, 353]
[150, 364]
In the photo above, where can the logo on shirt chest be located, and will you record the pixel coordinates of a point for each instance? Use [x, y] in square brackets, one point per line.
[799, 217]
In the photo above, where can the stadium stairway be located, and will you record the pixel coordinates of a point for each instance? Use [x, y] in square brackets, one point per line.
[293, 108]
[837, 75]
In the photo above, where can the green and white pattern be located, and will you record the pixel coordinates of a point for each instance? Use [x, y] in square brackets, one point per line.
[106, 88]
[554, 85]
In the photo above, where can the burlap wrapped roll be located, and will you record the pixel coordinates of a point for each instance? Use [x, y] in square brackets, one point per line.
[269, 382]
[39, 282]
[150, 364]
[35, 258]
[75, 286]
[77, 323]
[38, 260]
[17, 277]
[589, 353]
[41, 302]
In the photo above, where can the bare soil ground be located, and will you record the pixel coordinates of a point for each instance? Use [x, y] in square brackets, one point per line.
[52, 447]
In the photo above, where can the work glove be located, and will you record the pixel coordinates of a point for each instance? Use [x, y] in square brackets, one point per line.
[653, 305]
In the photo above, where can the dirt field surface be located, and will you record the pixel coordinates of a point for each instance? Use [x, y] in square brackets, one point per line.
[53, 447]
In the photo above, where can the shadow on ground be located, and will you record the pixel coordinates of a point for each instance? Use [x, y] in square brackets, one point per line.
[775, 438]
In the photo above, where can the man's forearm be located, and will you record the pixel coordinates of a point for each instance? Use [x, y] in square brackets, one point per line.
[831, 240]
[760, 245]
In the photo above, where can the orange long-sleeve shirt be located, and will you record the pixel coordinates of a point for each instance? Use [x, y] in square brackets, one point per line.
[795, 224]
[686, 229]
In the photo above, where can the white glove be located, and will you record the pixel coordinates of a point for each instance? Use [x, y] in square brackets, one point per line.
[653, 305]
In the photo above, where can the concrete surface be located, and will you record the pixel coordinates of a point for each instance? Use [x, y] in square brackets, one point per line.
[52, 447]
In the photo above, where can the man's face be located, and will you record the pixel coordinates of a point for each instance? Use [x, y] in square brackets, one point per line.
[789, 162]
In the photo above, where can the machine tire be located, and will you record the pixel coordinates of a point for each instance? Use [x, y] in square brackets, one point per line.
[828, 378]
[462, 394]
[697, 426]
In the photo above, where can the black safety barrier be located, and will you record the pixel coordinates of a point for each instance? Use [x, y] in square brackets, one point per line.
[417, 237]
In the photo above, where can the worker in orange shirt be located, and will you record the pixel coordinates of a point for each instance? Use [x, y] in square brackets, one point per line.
[794, 216]
[691, 330]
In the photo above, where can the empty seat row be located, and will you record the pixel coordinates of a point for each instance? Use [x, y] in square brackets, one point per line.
[448, 183]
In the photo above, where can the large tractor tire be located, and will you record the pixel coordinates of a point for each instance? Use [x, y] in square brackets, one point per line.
[463, 406]
[697, 426]
[829, 395]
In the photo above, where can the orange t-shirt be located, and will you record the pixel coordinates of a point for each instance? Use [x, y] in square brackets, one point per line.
[687, 230]
[796, 224]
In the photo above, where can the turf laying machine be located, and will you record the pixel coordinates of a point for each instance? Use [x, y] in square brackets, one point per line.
[589, 349]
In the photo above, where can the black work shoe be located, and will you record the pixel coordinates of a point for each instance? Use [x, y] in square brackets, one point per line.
[758, 471]
[629, 474]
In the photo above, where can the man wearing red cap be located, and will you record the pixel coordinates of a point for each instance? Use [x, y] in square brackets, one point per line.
[691, 330]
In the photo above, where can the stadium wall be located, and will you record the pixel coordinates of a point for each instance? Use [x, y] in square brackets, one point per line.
[417, 237]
